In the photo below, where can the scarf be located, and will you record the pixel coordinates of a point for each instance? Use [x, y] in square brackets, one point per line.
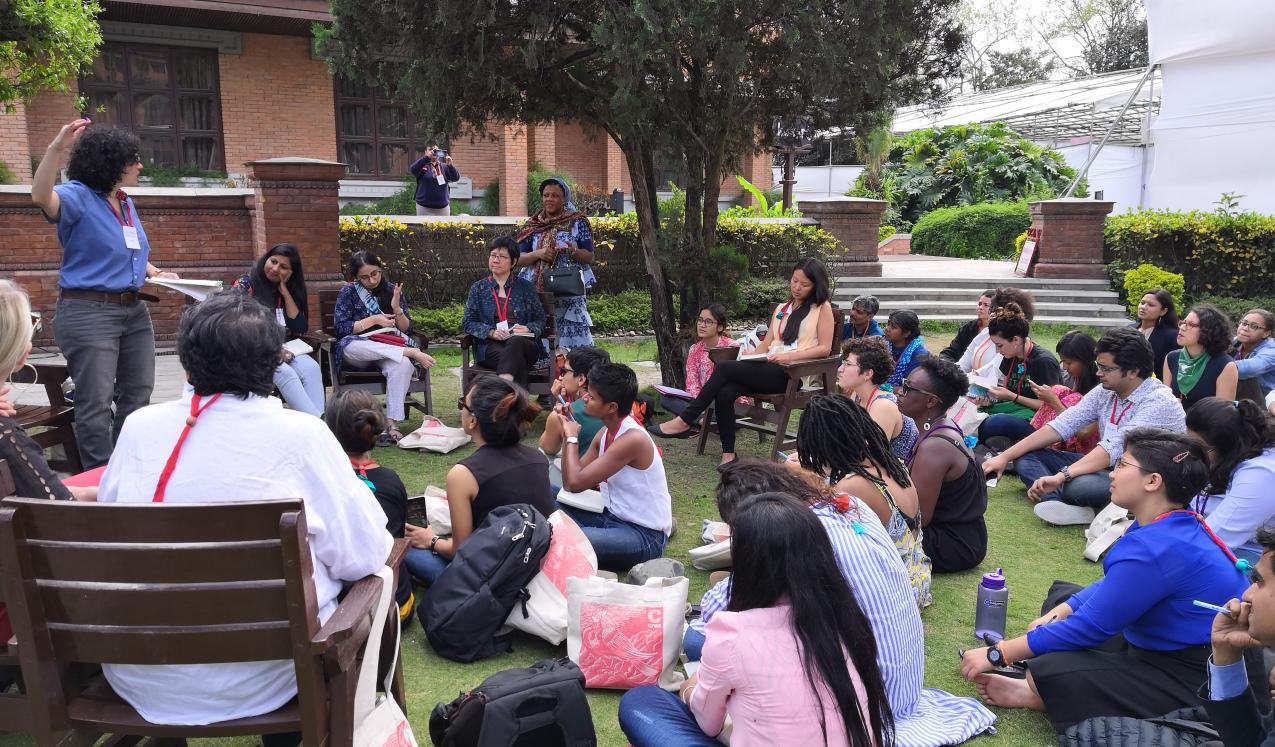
[542, 224]
[374, 307]
[1189, 371]
[903, 360]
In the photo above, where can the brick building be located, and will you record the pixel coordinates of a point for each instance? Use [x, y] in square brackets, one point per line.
[213, 84]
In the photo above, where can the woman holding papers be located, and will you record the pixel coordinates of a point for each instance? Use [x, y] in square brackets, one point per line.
[101, 324]
[801, 329]
[505, 316]
[372, 338]
[277, 281]
[710, 332]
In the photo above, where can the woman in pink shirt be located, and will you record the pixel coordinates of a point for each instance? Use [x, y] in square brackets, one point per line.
[710, 332]
[792, 659]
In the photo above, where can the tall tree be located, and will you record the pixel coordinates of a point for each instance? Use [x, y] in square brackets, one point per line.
[44, 42]
[703, 77]
[1015, 67]
[1111, 35]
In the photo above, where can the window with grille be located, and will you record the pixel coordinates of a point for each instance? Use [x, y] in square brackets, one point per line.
[168, 96]
[377, 136]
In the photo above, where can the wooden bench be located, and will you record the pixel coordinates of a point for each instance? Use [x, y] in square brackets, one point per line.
[93, 583]
[55, 421]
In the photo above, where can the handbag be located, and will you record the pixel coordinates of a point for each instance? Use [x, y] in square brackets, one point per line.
[380, 722]
[624, 636]
[544, 611]
[1108, 526]
[564, 281]
[966, 415]
[434, 436]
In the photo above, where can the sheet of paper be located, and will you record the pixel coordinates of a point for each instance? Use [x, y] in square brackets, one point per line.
[298, 347]
[752, 357]
[671, 391]
[379, 330]
[196, 289]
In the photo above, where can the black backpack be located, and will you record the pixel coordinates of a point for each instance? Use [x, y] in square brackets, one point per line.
[540, 706]
[471, 599]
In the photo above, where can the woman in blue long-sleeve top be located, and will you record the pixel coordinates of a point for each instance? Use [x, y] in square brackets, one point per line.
[504, 314]
[1132, 643]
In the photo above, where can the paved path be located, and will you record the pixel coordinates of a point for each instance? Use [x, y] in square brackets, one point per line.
[915, 265]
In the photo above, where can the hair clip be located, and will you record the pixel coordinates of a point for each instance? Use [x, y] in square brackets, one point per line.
[1243, 565]
[1180, 458]
[971, 441]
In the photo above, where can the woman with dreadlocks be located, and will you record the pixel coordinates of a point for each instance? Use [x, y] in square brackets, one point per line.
[838, 440]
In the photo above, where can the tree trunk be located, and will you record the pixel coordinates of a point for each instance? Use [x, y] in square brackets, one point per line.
[639, 156]
[693, 261]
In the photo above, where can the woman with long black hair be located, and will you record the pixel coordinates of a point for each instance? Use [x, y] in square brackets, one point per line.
[361, 309]
[792, 659]
[1238, 500]
[801, 329]
[277, 281]
[1158, 322]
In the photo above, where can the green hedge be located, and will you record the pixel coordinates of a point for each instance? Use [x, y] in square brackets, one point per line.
[984, 231]
[1219, 254]
[613, 313]
[1235, 308]
[1146, 277]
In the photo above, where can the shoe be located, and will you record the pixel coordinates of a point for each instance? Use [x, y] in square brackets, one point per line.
[655, 568]
[1063, 514]
[654, 430]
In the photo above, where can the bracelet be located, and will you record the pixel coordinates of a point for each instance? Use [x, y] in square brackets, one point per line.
[1016, 396]
[1066, 473]
[686, 694]
[432, 543]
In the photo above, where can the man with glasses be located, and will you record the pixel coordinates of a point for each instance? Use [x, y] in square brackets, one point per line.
[572, 387]
[1069, 488]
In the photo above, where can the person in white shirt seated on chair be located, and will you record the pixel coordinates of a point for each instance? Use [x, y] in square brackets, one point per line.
[623, 459]
[241, 446]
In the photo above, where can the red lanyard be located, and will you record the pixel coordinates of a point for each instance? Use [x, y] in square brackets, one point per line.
[1242, 565]
[363, 467]
[871, 397]
[502, 313]
[124, 216]
[195, 412]
[1116, 420]
[610, 437]
[1014, 363]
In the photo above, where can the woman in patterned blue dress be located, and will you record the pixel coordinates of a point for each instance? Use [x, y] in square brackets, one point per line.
[559, 236]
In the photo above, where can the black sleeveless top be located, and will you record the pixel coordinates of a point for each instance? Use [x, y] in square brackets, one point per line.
[1206, 386]
[956, 538]
[509, 475]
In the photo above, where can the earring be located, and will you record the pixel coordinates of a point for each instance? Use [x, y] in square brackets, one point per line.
[21, 389]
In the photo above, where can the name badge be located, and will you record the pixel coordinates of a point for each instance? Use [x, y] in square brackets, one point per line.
[131, 239]
[278, 317]
[788, 348]
[441, 179]
[502, 326]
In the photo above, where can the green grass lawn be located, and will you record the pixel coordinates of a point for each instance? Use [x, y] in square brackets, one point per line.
[1033, 555]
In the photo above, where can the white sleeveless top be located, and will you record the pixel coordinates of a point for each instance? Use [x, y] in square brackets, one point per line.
[638, 496]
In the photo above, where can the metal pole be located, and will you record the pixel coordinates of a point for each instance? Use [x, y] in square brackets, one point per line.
[1114, 123]
[790, 177]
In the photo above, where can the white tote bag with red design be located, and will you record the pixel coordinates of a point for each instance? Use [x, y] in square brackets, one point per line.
[378, 719]
[570, 556]
[624, 636]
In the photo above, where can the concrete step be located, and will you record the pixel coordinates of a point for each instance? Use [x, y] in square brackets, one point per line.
[967, 295]
[1067, 321]
[1048, 308]
[973, 283]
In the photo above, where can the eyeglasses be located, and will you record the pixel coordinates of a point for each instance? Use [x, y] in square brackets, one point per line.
[461, 404]
[1246, 324]
[706, 321]
[847, 363]
[1122, 463]
[499, 255]
[564, 371]
[906, 386]
[36, 323]
[1105, 369]
[373, 275]
[1188, 325]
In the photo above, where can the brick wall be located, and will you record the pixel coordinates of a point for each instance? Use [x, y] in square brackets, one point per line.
[46, 114]
[276, 101]
[477, 157]
[14, 151]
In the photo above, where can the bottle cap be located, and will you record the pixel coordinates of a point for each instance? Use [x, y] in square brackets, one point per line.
[995, 580]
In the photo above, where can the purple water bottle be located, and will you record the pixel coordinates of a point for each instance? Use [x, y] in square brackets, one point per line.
[993, 604]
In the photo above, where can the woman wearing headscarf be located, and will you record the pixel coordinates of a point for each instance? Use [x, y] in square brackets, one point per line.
[559, 237]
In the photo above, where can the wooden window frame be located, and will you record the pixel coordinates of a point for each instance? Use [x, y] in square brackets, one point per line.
[127, 90]
[374, 101]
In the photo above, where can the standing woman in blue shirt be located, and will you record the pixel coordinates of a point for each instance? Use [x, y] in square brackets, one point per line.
[101, 324]
[1132, 643]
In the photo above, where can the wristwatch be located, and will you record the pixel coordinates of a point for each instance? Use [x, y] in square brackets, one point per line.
[995, 657]
[434, 542]
[573, 440]
[1066, 473]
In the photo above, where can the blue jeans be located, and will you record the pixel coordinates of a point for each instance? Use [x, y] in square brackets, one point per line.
[619, 544]
[1092, 490]
[1001, 425]
[300, 382]
[110, 354]
[651, 717]
[424, 565]
[693, 644]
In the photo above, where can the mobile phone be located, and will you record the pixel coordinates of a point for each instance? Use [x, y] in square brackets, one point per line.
[991, 483]
[781, 456]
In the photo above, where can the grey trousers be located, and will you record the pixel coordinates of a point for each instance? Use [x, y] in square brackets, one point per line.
[444, 210]
[110, 354]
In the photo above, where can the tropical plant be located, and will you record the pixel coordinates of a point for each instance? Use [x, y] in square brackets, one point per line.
[964, 165]
[765, 208]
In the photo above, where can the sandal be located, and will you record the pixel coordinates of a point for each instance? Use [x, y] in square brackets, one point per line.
[389, 437]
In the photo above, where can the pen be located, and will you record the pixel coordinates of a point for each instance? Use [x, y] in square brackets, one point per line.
[1214, 607]
[566, 408]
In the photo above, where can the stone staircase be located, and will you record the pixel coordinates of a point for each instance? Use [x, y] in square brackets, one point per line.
[1089, 303]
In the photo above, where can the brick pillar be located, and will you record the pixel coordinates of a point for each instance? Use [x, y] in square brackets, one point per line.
[855, 222]
[512, 169]
[542, 145]
[757, 170]
[1071, 238]
[295, 202]
[617, 167]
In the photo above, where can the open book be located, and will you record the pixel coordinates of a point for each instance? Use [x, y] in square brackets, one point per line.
[196, 289]
[298, 347]
[752, 356]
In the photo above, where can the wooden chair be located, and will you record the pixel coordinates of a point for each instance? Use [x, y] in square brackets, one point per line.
[93, 583]
[797, 396]
[54, 424]
[7, 486]
[16, 709]
[370, 381]
[541, 379]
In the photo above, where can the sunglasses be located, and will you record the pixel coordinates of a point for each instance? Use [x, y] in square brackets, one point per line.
[564, 371]
[461, 404]
[906, 386]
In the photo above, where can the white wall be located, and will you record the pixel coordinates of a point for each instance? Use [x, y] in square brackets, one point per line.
[821, 181]
[1117, 171]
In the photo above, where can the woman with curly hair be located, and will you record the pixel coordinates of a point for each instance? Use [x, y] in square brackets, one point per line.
[1202, 368]
[101, 324]
[866, 364]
